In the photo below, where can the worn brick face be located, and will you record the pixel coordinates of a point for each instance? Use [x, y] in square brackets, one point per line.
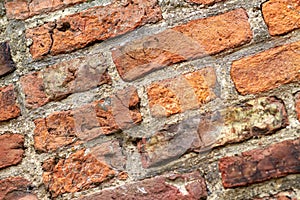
[60, 80]
[281, 16]
[267, 70]
[15, 188]
[195, 39]
[105, 116]
[23, 9]
[184, 92]
[8, 106]
[95, 24]
[78, 172]
[6, 63]
[11, 149]
[230, 125]
[259, 165]
[160, 187]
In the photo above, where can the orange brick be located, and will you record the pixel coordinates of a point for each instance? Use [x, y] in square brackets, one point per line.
[95, 24]
[182, 93]
[267, 70]
[195, 39]
[23, 9]
[281, 16]
[106, 116]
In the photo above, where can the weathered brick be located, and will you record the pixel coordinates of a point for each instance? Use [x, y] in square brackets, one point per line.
[23, 9]
[79, 171]
[281, 16]
[7, 65]
[204, 2]
[161, 187]
[105, 116]
[195, 39]
[298, 105]
[185, 92]
[8, 106]
[201, 133]
[267, 70]
[259, 165]
[15, 188]
[60, 80]
[95, 24]
[11, 149]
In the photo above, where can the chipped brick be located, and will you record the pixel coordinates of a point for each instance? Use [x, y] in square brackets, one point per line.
[7, 65]
[259, 165]
[185, 92]
[267, 70]
[95, 24]
[161, 187]
[230, 125]
[105, 116]
[11, 149]
[192, 40]
[58, 81]
[281, 16]
[8, 106]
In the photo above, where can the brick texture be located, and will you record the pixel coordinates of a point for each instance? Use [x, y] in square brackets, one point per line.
[267, 70]
[78, 172]
[160, 187]
[23, 9]
[230, 125]
[185, 92]
[281, 16]
[15, 188]
[95, 24]
[6, 63]
[260, 165]
[60, 80]
[8, 106]
[195, 39]
[11, 149]
[101, 117]
[298, 105]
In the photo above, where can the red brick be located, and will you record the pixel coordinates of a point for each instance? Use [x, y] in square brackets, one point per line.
[95, 24]
[7, 65]
[281, 16]
[23, 9]
[160, 187]
[204, 2]
[80, 171]
[60, 80]
[15, 188]
[197, 38]
[298, 105]
[185, 92]
[102, 117]
[230, 125]
[8, 106]
[11, 149]
[259, 165]
[267, 70]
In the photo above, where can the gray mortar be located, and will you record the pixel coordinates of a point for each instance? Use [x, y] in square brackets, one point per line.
[175, 12]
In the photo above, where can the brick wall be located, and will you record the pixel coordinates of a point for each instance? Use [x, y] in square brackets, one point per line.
[149, 99]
